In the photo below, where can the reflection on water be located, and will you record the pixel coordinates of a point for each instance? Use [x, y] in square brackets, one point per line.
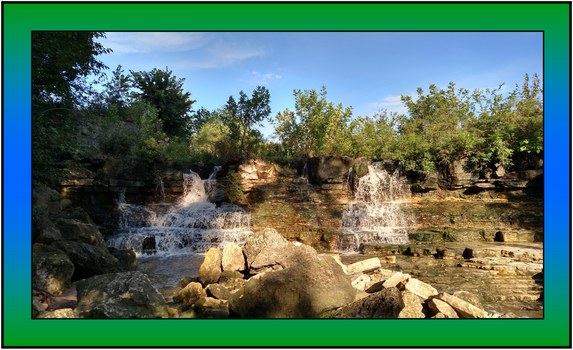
[165, 272]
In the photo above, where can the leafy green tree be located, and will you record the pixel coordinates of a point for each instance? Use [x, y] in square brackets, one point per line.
[315, 127]
[373, 136]
[435, 130]
[61, 65]
[508, 127]
[209, 138]
[338, 138]
[165, 92]
[118, 90]
[241, 117]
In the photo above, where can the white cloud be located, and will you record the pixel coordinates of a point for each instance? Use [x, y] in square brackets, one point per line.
[391, 103]
[388, 102]
[146, 42]
[225, 54]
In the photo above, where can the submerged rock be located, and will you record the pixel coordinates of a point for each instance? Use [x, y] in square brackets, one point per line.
[126, 257]
[119, 295]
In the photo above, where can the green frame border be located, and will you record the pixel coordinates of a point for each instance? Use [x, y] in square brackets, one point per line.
[19, 330]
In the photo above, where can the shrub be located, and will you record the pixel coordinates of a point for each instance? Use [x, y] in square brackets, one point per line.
[233, 191]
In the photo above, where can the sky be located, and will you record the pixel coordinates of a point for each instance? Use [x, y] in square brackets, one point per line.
[366, 70]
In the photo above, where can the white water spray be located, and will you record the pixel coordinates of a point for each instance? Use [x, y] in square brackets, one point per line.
[192, 225]
[376, 215]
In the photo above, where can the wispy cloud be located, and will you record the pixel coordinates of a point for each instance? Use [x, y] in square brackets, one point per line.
[207, 50]
[391, 103]
[387, 102]
[147, 42]
[257, 78]
[225, 54]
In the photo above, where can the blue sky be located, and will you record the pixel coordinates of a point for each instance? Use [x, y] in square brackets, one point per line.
[366, 70]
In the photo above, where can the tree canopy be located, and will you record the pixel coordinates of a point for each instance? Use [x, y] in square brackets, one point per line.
[241, 117]
[165, 92]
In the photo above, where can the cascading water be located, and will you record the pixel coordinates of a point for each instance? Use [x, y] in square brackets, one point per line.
[376, 215]
[305, 189]
[191, 226]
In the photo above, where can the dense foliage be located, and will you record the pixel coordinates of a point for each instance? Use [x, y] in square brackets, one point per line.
[61, 65]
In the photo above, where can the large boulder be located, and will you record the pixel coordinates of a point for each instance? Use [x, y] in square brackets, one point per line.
[386, 303]
[260, 240]
[299, 291]
[52, 269]
[76, 225]
[88, 260]
[119, 295]
[328, 170]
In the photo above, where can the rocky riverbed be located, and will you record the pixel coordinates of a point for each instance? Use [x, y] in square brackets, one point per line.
[270, 277]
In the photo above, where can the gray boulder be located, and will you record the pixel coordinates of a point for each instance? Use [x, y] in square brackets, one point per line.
[260, 240]
[329, 169]
[52, 269]
[386, 303]
[299, 291]
[88, 260]
[119, 295]
[78, 231]
[45, 231]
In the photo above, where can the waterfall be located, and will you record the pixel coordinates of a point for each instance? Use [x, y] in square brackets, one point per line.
[305, 172]
[193, 225]
[159, 187]
[376, 215]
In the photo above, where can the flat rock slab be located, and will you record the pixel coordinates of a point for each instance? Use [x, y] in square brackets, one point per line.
[367, 265]
[462, 307]
[504, 265]
[516, 253]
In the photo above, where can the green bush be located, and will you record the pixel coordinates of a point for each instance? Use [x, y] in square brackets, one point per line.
[233, 191]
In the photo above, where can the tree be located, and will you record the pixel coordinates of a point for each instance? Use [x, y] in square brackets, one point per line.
[509, 127]
[315, 127]
[117, 91]
[165, 92]
[240, 118]
[61, 65]
[435, 132]
[373, 136]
